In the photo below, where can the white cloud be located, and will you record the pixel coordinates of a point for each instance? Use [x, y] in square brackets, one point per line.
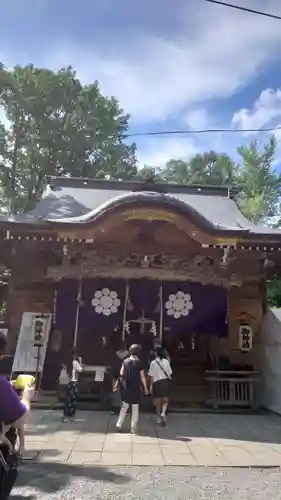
[157, 152]
[264, 110]
[197, 119]
[218, 51]
[159, 78]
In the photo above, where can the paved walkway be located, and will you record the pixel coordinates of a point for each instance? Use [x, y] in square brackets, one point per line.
[188, 440]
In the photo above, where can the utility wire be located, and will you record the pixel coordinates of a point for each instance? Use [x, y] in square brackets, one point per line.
[222, 130]
[203, 131]
[245, 9]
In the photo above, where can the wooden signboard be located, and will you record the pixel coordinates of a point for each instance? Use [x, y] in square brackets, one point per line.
[25, 359]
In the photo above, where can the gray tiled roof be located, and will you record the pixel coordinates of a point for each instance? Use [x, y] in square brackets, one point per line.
[78, 201]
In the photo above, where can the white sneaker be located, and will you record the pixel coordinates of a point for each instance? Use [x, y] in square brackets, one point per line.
[134, 430]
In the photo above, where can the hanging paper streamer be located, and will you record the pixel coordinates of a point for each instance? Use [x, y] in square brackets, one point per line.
[124, 322]
[127, 327]
[193, 341]
[79, 300]
[54, 315]
[161, 312]
[153, 329]
[129, 306]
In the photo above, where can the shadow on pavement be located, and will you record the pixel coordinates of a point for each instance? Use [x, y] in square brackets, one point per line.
[51, 477]
[181, 427]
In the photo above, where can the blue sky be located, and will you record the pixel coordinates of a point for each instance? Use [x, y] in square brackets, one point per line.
[173, 64]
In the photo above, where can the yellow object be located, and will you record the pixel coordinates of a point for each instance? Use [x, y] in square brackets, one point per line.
[23, 381]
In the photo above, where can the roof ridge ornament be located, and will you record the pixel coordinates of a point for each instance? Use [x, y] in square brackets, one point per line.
[149, 175]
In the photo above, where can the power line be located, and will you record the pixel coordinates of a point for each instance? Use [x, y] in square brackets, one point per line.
[203, 131]
[245, 9]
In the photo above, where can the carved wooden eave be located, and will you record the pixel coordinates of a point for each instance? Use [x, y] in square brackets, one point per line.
[164, 267]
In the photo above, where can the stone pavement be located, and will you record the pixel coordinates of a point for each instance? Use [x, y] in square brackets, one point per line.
[208, 440]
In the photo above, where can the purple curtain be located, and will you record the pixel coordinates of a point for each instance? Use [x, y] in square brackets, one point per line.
[207, 315]
[66, 311]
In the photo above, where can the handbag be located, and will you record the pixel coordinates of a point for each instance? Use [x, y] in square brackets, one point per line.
[163, 370]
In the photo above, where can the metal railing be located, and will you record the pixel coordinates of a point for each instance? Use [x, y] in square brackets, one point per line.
[232, 389]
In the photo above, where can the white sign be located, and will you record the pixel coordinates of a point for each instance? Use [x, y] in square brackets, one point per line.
[25, 359]
[245, 338]
[99, 374]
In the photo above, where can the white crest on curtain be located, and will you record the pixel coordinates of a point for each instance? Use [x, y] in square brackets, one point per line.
[106, 302]
[179, 304]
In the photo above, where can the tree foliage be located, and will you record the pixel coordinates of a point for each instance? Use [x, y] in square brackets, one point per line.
[58, 127]
[207, 168]
[274, 292]
[258, 183]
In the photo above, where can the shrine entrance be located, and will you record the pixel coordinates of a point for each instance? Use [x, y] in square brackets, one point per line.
[183, 316]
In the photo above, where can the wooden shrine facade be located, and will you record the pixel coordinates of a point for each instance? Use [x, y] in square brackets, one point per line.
[99, 235]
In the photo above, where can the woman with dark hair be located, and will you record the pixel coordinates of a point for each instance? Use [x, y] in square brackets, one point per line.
[132, 378]
[73, 368]
[160, 374]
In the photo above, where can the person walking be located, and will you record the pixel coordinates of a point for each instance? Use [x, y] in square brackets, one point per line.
[70, 404]
[119, 356]
[160, 375]
[132, 377]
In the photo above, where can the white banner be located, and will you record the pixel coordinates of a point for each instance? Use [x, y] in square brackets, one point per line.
[25, 359]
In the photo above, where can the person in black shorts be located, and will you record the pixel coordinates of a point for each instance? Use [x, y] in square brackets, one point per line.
[160, 374]
[132, 377]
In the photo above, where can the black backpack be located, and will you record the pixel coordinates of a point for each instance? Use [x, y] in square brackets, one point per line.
[9, 463]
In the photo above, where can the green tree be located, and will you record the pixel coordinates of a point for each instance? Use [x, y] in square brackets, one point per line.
[149, 174]
[274, 292]
[207, 168]
[259, 182]
[59, 127]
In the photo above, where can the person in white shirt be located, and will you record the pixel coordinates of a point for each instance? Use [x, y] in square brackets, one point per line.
[160, 375]
[74, 368]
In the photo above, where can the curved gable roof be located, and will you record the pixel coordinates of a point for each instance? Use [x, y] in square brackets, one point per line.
[80, 201]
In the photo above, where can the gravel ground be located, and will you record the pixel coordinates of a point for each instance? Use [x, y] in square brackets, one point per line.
[58, 481]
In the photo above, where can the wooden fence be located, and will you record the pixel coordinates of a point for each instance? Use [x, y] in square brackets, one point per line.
[232, 389]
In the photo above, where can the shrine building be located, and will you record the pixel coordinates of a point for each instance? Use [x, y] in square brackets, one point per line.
[98, 262]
